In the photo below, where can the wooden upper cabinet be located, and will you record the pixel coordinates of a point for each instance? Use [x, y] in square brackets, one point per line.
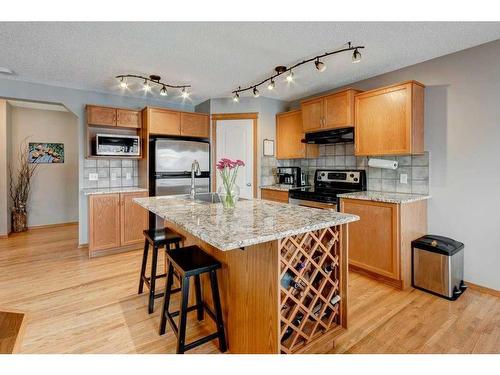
[339, 110]
[101, 115]
[329, 111]
[289, 135]
[134, 218]
[195, 125]
[390, 120]
[128, 118]
[104, 221]
[312, 114]
[379, 222]
[164, 122]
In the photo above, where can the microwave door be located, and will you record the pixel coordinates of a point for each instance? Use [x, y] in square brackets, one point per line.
[176, 156]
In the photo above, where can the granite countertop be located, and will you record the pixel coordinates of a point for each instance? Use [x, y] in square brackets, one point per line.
[281, 187]
[127, 189]
[378, 196]
[250, 222]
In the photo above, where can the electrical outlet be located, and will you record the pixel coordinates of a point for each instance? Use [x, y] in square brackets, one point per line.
[128, 176]
[403, 178]
[93, 176]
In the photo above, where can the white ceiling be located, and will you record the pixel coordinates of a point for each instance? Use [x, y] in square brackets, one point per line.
[217, 57]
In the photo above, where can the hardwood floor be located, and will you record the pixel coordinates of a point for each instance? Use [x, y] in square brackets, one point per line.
[78, 305]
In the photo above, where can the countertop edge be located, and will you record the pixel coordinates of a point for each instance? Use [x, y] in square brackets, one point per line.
[113, 190]
[386, 197]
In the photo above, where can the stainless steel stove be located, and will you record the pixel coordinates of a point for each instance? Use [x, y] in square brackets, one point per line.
[327, 184]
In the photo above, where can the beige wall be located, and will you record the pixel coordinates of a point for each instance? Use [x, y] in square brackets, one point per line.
[54, 195]
[4, 229]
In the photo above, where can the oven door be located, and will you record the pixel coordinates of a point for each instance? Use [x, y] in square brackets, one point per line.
[313, 204]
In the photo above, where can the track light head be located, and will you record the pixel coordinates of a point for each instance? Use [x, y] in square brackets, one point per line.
[356, 56]
[236, 98]
[146, 87]
[163, 91]
[320, 65]
[256, 92]
[289, 77]
[271, 85]
[123, 83]
[184, 93]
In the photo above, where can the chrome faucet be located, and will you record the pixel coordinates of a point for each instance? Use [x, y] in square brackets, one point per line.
[195, 169]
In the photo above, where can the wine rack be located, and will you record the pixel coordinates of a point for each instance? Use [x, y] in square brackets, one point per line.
[310, 299]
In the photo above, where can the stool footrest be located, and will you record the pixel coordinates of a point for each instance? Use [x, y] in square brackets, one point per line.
[201, 341]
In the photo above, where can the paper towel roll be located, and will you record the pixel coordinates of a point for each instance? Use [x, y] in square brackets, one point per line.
[381, 163]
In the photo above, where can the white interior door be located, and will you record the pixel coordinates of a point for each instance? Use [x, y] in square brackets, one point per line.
[235, 141]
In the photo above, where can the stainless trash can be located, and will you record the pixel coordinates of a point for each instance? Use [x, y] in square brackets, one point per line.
[438, 266]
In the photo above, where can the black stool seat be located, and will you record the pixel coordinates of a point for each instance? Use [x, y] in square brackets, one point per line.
[156, 238]
[191, 261]
[161, 236]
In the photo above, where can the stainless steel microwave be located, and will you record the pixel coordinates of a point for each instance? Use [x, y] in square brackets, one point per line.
[117, 145]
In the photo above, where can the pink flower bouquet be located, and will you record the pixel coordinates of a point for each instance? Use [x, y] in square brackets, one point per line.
[228, 192]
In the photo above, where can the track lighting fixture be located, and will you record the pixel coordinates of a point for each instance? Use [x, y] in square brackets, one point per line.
[279, 70]
[320, 65]
[256, 92]
[123, 83]
[155, 80]
[356, 56]
[236, 98]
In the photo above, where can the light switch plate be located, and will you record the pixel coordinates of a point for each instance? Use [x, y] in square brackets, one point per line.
[128, 176]
[93, 176]
[403, 178]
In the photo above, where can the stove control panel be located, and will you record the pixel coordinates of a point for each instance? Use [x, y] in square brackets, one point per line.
[352, 177]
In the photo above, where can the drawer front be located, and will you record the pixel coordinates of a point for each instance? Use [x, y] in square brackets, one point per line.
[274, 195]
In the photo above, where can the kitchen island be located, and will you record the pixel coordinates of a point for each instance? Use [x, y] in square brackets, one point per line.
[283, 280]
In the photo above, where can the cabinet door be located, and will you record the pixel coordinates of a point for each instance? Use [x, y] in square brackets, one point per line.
[104, 221]
[195, 125]
[374, 239]
[128, 118]
[383, 121]
[289, 135]
[134, 218]
[164, 122]
[101, 116]
[339, 110]
[312, 114]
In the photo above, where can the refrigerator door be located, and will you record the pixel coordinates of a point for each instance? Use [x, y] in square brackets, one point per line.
[176, 156]
[177, 186]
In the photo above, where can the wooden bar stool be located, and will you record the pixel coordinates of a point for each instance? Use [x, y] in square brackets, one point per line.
[187, 262]
[157, 238]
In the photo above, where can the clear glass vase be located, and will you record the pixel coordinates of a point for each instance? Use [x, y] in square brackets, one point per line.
[228, 196]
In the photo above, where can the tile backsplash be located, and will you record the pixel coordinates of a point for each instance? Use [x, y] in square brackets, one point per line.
[111, 172]
[341, 156]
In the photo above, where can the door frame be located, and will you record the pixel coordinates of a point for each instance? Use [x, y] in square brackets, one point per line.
[234, 116]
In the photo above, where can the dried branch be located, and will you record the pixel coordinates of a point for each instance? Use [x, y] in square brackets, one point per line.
[20, 181]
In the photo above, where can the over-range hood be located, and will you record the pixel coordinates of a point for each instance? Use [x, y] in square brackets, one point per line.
[342, 135]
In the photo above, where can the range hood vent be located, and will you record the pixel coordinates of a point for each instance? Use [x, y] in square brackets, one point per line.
[343, 135]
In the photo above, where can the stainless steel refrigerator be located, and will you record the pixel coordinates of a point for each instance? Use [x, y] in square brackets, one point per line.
[170, 166]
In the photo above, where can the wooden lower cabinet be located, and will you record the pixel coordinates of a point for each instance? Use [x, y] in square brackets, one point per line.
[115, 221]
[274, 195]
[380, 242]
